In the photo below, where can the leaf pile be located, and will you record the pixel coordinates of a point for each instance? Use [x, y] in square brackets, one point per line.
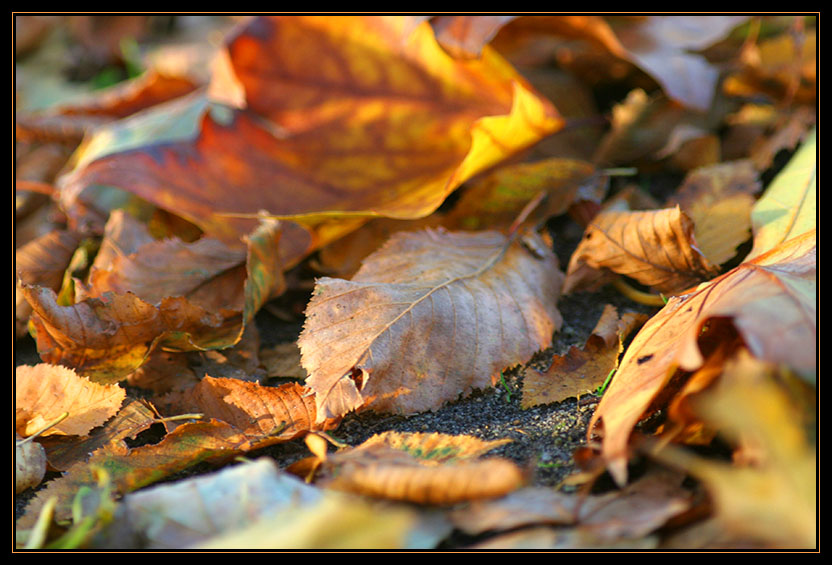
[394, 196]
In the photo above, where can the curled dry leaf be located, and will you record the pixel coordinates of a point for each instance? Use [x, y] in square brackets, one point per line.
[263, 414]
[43, 392]
[421, 468]
[770, 301]
[107, 337]
[580, 371]
[656, 248]
[429, 317]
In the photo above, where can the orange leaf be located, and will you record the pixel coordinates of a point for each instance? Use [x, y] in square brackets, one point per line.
[43, 392]
[367, 118]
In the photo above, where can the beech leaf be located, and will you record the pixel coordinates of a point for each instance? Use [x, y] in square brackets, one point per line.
[430, 316]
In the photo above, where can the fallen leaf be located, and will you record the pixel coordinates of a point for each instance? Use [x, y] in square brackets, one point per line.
[43, 392]
[771, 301]
[656, 248]
[664, 46]
[718, 199]
[131, 469]
[109, 336]
[432, 469]
[464, 37]
[195, 510]
[774, 501]
[265, 415]
[41, 262]
[429, 317]
[788, 207]
[338, 522]
[283, 360]
[380, 122]
[582, 371]
[134, 417]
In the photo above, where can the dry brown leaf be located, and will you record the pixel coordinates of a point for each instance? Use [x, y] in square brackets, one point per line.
[283, 360]
[718, 200]
[263, 414]
[581, 371]
[421, 468]
[656, 248]
[429, 317]
[770, 301]
[43, 392]
[41, 262]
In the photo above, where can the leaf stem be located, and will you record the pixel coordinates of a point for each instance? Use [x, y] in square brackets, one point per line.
[637, 295]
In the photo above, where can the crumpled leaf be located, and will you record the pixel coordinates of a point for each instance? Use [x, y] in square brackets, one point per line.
[654, 247]
[583, 370]
[391, 129]
[429, 317]
[788, 207]
[433, 469]
[771, 301]
[264, 414]
[43, 392]
[107, 337]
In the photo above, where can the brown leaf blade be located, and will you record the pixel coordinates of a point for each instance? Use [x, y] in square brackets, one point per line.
[430, 316]
[654, 247]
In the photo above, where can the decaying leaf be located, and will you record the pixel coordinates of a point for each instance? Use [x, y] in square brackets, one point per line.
[43, 392]
[283, 360]
[429, 317]
[432, 469]
[581, 371]
[771, 301]
[656, 248]
[599, 520]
